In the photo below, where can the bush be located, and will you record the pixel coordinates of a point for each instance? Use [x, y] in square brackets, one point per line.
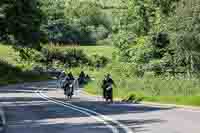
[72, 57]
[15, 74]
[98, 61]
[5, 68]
[75, 57]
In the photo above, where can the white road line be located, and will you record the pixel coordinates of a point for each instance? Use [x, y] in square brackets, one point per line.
[112, 128]
[105, 118]
[126, 129]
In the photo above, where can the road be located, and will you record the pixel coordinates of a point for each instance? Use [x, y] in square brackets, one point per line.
[41, 108]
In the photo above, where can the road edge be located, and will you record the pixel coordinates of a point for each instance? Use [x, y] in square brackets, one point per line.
[2, 119]
[172, 105]
[156, 103]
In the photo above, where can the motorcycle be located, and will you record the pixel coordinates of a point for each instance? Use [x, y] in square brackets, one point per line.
[81, 80]
[109, 93]
[68, 90]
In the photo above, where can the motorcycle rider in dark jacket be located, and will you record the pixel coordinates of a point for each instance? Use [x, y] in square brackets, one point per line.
[71, 80]
[82, 78]
[105, 84]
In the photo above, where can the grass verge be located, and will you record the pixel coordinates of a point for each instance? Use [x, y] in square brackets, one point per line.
[178, 100]
[12, 72]
[148, 88]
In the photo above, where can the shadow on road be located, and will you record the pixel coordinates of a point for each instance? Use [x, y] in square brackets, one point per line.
[117, 107]
[37, 114]
[98, 106]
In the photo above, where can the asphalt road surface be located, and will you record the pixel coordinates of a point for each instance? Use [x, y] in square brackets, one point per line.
[41, 108]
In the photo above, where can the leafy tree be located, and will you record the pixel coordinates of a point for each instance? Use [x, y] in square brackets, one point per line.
[144, 38]
[187, 39]
[21, 20]
[89, 17]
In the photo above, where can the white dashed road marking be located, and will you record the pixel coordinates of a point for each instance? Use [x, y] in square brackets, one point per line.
[97, 116]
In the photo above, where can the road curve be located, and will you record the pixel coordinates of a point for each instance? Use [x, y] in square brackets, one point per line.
[41, 108]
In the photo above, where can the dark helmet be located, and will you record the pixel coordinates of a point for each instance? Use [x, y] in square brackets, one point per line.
[108, 76]
[70, 74]
[82, 71]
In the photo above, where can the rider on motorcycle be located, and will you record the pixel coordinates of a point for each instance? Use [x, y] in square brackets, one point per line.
[72, 79]
[61, 77]
[68, 86]
[70, 75]
[81, 78]
[108, 82]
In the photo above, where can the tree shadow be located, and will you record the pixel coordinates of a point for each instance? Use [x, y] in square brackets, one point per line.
[59, 127]
[11, 74]
[75, 125]
[58, 124]
[38, 114]
[47, 109]
[117, 107]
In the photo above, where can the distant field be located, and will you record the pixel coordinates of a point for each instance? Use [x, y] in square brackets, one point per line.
[100, 50]
[106, 51]
[7, 53]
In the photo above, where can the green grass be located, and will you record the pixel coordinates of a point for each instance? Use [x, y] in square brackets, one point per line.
[106, 51]
[119, 93]
[179, 100]
[14, 79]
[12, 72]
[8, 54]
[148, 88]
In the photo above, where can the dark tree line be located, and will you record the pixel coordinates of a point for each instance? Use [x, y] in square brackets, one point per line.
[20, 22]
[27, 23]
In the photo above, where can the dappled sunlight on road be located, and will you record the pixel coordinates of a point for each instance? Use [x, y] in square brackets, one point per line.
[28, 113]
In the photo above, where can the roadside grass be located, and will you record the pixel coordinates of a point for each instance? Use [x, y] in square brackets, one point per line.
[19, 78]
[125, 94]
[12, 72]
[152, 89]
[179, 100]
[8, 54]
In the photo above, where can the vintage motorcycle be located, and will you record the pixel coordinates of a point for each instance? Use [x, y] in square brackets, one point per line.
[109, 93]
[68, 90]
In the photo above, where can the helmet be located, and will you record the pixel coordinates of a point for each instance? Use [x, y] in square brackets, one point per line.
[108, 75]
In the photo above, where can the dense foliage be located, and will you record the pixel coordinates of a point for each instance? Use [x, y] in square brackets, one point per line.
[157, 40]
[20, 22]
[157, 36]
[71, 57]
[74, 22]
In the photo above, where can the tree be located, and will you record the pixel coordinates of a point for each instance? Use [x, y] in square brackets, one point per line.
[187, 40]
[144, 38]
[21, 21]
[89, 16]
